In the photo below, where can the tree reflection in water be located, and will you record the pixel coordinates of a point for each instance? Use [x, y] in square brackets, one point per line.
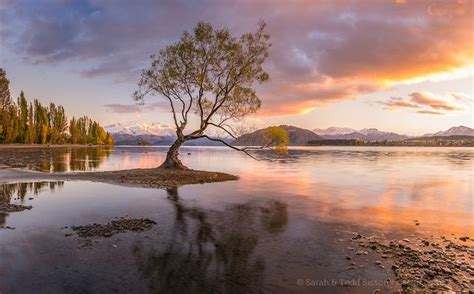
[212, 251]
[16, 193]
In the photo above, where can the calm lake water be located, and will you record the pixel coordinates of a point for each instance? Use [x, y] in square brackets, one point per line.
[278, 223]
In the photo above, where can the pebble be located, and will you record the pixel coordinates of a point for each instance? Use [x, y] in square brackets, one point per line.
[378, 262]
[447, 270]
[348, 257]
[113, 245]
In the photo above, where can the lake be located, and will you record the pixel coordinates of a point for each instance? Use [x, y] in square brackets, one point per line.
[281, 222]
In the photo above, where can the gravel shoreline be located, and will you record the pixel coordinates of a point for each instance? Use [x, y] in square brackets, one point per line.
[149, 178]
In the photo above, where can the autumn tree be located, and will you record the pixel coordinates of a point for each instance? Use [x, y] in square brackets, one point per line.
[23, 116]
[58, 124]
[31, 133]
[278, 138]
[5, 98]
[209, 74]
[5, 101]
[31, 123]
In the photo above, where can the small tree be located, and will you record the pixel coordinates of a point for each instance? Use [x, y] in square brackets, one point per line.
[209, 74]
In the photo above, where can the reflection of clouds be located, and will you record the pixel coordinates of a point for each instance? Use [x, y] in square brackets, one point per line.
[383, 189]
[378, 186]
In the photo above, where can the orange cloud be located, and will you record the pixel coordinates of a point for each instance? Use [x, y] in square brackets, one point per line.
[428, 99]
[304, 96]
[430, 103]
[347, 51]
[322, 51]
[430, 112]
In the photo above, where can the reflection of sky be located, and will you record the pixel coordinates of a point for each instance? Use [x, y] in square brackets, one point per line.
[378, 186]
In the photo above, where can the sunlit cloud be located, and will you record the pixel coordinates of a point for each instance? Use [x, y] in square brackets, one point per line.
[332, 51]
[430, 100]
[431, 103]
[430, 112]
[395, 103]
[131, 108]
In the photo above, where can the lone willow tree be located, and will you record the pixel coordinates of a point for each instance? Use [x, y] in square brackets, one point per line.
[209, 75]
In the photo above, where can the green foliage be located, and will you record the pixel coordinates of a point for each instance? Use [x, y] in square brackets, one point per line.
[85, 131]
[277, 138]
[208, 73]
[33, 123]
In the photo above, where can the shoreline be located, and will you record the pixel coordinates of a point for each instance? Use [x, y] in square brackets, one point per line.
[26, 146]
[145, 178]
[291, 147]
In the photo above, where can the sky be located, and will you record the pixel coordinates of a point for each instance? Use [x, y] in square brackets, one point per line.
[404, 66]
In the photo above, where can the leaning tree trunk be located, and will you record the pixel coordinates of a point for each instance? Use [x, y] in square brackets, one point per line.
[172, 161]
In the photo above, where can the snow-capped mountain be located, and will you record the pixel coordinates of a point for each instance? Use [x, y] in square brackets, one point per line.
[333, 131]
[454, 131]
[140, 129]
[137, 133]
[370, 134]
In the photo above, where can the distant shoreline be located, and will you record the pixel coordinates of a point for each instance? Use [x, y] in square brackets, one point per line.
[28, 146]
[49, 145]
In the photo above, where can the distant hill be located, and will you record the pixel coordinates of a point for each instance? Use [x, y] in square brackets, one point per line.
[152, 140]
[454, 131]
[129, 139]
[446, 138]
[141, 129]
[135, 133]
[332, 131]
[368, 135]
[298, 137]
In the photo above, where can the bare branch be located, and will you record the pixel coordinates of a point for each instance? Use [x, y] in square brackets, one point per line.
[244, 150]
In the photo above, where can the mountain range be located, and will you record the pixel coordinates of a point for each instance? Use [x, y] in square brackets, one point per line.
[136, 133]
[369, 135]
[141, 129]
[454, 131]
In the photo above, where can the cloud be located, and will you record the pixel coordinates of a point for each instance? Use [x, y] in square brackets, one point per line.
[123, 108]
[131, 108]
[395, 103]
[431, 103]
[430, 112]
[429, 99]
[323, 51]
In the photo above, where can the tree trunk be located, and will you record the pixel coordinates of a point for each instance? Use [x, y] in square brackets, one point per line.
[172, 161]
